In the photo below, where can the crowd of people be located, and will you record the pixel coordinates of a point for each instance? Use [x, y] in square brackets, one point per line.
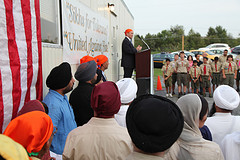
[104, 120]
[200, 74]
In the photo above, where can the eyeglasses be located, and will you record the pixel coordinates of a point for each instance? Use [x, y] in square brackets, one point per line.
[54, 130]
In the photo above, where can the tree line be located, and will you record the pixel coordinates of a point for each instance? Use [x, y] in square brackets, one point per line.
[171, 40]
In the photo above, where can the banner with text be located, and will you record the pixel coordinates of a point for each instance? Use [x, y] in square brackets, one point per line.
[85, 32]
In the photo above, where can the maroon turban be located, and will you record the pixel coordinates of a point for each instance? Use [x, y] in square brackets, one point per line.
[33, 105]
[105, 99]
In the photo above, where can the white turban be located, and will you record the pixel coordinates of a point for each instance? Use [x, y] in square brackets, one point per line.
[128, 90]
[226, 97]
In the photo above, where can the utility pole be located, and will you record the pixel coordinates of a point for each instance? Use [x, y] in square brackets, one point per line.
[182, 42]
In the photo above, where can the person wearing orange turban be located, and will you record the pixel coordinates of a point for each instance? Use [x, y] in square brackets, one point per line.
[86, 58]
[128, 54]
[102, 63]
[34, 131]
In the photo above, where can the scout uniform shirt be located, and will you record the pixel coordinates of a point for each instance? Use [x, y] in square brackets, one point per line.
[173, 64]
[182, 66]
[216, 67]
[205, 69]
[222, 59]
[167, 69]
[229, 68]
[237, 60]
[195, 71]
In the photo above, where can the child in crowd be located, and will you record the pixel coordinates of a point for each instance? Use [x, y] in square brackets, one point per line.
[205, 76]
[216, 73]
[195, 73]
[229, 70]
[168, 70]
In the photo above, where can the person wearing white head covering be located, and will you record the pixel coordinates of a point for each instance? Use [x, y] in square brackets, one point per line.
[190, 144]
[230, 146]
[128, 90]
[222, 122]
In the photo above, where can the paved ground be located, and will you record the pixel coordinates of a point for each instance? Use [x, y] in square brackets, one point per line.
[175, 97]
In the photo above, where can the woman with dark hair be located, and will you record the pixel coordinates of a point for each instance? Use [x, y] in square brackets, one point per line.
[202, 118]
[190, 61]
[191, 144]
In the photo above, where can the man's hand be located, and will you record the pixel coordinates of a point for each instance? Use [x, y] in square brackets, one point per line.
[224, 76]
[139, 48]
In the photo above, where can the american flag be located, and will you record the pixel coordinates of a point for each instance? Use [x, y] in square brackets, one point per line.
[20, 56]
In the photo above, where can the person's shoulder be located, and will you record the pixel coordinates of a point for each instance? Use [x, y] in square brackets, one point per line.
[212, 146]
[126, 40]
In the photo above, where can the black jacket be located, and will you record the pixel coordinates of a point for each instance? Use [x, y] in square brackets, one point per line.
[128, 54]
[100, 76]
[80, 99]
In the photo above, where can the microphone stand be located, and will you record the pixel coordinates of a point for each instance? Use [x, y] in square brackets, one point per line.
[143, 41]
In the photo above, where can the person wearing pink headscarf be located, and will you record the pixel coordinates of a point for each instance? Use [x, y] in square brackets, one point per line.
[101, 138]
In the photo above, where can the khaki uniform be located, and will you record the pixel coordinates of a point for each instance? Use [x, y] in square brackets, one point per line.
[174, 75]
[216, 73]
[229, 73]
[181, 67]
[205, 76]
[195, 72]
[222, 59]
[237, 59]
[167, 70]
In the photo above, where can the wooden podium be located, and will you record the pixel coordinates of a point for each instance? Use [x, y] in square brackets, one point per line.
[143, 71]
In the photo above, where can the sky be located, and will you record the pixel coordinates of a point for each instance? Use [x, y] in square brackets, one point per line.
[153, 16]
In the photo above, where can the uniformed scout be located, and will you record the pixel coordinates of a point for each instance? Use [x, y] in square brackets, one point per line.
[182, 65]
[195, 73]
[205, 76]
[168, 70]
[237, 61]
[216, 67]
[229, 71]
[223, 58]
[174, 75]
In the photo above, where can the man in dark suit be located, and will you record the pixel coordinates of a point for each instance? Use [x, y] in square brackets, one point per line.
[128, 54]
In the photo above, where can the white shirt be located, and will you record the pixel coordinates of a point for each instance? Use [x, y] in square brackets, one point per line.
[230, 146]
[99, 139]
[120, 117]
[129, 39]
[221, 124]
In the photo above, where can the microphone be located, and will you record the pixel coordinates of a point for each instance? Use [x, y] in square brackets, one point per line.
[143, 41]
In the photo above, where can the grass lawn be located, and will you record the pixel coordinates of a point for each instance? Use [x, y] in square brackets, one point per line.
[157, 72]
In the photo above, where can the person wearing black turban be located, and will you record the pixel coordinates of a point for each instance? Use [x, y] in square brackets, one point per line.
[60, 81]
[154, 123]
